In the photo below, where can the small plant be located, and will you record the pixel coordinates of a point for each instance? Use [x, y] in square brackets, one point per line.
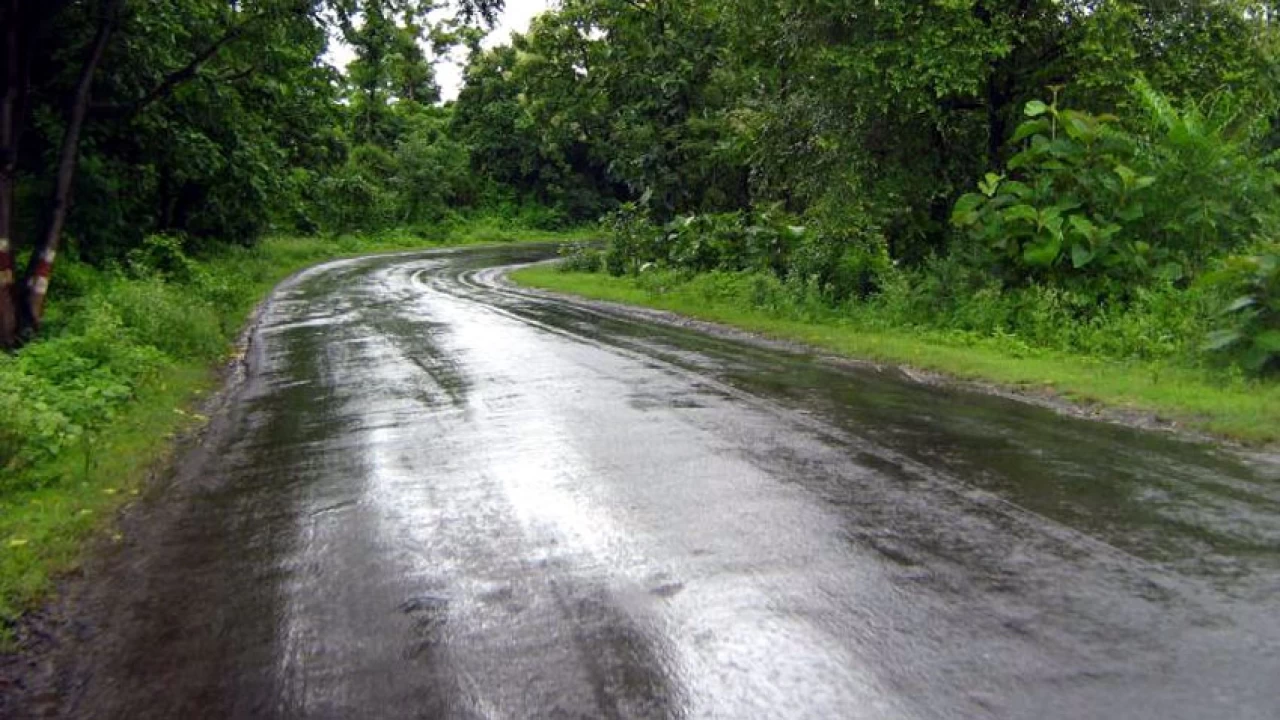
[1067, 206]
[633, 240]
[762, 240]
[1251, 319]
[580, 257]
[161, 256]
[1089, 204]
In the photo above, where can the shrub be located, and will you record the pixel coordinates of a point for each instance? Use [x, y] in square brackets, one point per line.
[1250, 321]
[1089, 205]
[701, 243]
[840, 263]
[1065, 211]
[580, 257]
[169, 318]
[632, 239]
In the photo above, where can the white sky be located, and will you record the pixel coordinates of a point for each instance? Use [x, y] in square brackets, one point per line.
[514, 19]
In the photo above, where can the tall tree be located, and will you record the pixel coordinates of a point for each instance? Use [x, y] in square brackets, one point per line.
[114, 71]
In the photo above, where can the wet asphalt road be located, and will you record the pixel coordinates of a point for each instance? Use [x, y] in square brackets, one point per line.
[437, 497]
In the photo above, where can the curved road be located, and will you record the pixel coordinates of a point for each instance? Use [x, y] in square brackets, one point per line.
[435, 496]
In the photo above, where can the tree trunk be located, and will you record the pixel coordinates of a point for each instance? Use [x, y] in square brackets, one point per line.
[997, 98]
[41, 265]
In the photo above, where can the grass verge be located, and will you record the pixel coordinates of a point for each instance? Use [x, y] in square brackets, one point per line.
[92, 407]
[1243, 410]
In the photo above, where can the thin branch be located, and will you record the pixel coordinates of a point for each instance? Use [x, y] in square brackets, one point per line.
[176, 78]
[234, 77]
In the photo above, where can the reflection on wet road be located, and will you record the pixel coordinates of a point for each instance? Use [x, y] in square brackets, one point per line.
[435, 496]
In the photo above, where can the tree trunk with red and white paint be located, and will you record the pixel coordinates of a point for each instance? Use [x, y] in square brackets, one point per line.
[40, 268]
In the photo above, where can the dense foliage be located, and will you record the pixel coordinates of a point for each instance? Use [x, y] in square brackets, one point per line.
[981, 157]
[214, 122]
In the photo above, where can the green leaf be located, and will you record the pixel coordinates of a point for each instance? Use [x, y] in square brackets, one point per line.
[990, 184]
[1083, 225]
[1017, 189]
[1268, 340]
[1042, 254]
[969, 202]
[1080, 255]
[1027, 129]
[1170, 271]
[1239, 304]
[1221, 340]
[1021, 159]
[1021, 212]
[1036, 108]
[1131, 213]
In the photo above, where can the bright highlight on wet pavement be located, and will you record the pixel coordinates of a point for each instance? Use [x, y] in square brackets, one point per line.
[433, 495]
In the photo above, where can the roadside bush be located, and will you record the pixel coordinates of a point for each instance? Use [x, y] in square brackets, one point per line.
[580, 257]
[61, 389]
[161, 256]
[1089, 205]
[1250, 321]
[633, 241]
[841, 264]
[731, 242]
[109, 333]
[172, 319]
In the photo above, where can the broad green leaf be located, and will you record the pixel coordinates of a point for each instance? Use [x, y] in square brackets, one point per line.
[1078, 128]
[967, 203]
[1022, 212]
[1083, 225]
[1131, 213]
[1041, 254]
[1170, 271]
[1027, 129]
[1021, 160]
[990, 184]
[1036, 108]
[1017, 189]
[1080, 255]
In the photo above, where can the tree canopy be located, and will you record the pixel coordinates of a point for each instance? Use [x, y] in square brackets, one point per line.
[865, 121]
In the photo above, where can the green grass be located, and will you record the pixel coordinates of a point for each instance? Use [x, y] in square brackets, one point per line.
[1230, 407]
[57, 490]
